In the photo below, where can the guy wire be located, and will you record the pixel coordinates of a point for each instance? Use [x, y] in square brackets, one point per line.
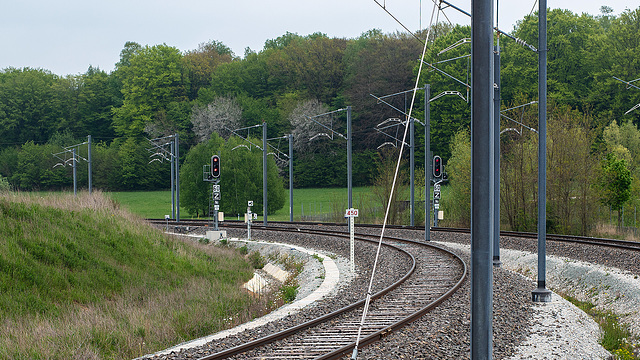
[395, 178]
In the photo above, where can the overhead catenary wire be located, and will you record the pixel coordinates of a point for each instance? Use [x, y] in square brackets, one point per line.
[395, 177]
[384, 7]
[517, 40]
[629, 85]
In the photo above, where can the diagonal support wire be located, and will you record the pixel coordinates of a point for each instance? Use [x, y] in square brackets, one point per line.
[445, 74]
[383, 6]
[386, 216]
[68, 150]
[633, 108]
[331, 131]
[516, 121]
[395, 123]
[630, 85]
[394, 107]
[517, 40]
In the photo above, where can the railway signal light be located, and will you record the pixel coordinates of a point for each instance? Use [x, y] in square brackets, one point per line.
[437, 166]
[215, 166]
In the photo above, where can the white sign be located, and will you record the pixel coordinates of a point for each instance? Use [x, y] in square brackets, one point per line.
[250, 203]
[436, 206]
[255, 216]
[436, 187]
[216, 188]
[216, 207]
[351, 213]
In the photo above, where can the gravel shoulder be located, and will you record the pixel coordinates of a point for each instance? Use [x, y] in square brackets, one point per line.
[558, 329]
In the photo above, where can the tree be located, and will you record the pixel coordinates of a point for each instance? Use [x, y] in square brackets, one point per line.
[625, 46]
[377, 64]
[449, 114]
[221, 116]
[519, 176]
[458, 205]
[134, 169]
[615, 184]
[383, 184]
[240, 179]
[571, 172]
[98, 95]
[28, 110]
[312, 64]
[624, 142]
[36, 168]
[303, 129]
[151, 80]
[199, 64]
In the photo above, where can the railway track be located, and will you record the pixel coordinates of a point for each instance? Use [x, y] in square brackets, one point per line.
[618, 253]
[613, 243]
[430, 280]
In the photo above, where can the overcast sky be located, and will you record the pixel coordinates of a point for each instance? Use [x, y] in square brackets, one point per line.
[67, 36]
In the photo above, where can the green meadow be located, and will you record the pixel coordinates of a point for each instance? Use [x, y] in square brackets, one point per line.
[312, 204]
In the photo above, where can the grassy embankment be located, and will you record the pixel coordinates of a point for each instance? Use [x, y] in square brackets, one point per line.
[82, 279]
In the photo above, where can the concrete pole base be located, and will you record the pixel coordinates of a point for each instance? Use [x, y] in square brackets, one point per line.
[541, 295]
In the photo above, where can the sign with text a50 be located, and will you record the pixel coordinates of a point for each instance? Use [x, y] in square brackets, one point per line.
[351, 213]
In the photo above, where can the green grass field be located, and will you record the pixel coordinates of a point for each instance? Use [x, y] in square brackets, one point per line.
[309, 204]
[148, 204]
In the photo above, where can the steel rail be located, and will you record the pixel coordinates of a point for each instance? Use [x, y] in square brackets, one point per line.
[376, 335]
[614, 243]
[293, 330]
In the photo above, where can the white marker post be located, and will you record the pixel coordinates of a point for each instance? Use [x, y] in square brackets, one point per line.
[436, 203]
[352, 214]
[248, 218]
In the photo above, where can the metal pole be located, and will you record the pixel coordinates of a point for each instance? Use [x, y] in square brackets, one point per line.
[412, 170]
[427, 163]
[541, 294]
[496, 155]
[291, 177]
[177, 145]
[349, 168]
[173, 178]
[75, 183]
[264, 172]
[481, 179]
[89, 167]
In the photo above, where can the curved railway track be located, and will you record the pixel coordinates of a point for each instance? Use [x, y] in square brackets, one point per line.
[429, 281]
[592, 250]
[620, 244]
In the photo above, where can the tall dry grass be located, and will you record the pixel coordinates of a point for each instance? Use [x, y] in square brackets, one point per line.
[613, 232]
[202, 294]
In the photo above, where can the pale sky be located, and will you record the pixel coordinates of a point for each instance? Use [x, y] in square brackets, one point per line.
[67, 36]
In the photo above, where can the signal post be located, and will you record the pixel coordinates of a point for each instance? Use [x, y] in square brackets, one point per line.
[213, 176]
[437, 175]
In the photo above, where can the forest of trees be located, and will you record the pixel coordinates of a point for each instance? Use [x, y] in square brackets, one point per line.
[158, 90]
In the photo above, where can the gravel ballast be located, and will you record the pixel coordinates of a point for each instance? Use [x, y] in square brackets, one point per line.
[522, 329]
